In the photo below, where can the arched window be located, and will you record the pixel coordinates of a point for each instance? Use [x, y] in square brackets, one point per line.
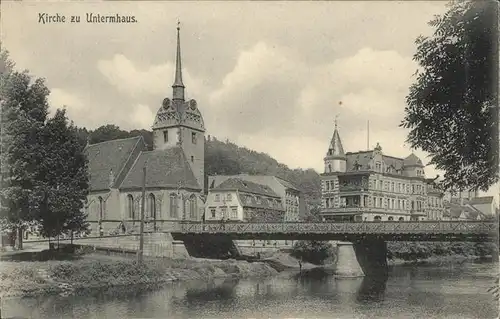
[152, 206]
[130, 207]
[192, 207]
[173, 205]
[401, 219]
[377, 218]
[390, 218]
[329, 168]
[101, 208]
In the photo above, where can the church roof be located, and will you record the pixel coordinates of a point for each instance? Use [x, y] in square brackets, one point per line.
[116, 156]
[246, 186]
[166, 168]
[336, 149]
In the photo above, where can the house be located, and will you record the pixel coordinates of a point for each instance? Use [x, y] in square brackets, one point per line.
[242, 200]
[291, 197]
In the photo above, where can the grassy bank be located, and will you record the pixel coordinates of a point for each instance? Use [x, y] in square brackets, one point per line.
[93, 272]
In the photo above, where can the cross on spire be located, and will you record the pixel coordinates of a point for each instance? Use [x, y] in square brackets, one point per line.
[336, 117]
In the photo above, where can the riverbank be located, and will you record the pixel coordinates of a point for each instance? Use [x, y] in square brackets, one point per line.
[34, 278]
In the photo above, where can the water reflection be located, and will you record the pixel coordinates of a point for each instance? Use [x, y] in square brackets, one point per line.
[372, 289]
[430, 292]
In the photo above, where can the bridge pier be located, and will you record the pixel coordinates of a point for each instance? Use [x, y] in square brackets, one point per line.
[371, 253]
[347, 265]
[367, 256]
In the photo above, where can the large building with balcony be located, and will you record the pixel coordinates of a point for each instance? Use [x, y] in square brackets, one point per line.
[370, 186]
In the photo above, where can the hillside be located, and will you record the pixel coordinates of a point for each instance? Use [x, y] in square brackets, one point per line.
[226, 158]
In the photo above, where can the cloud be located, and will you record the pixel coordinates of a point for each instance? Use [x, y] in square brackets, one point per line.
[130, 79]
[141, 117]
[270, 79]
[59, 98]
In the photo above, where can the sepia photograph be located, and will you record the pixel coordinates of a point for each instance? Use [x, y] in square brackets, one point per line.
[249, 159]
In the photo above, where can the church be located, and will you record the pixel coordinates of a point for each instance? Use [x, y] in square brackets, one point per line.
[174, 178]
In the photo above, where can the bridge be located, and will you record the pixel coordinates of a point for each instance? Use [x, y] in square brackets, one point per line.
[390, 231]
[362, 246]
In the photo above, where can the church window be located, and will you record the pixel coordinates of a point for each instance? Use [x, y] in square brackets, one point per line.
[258, 200]
[392, 186]
[193, 137]
[165, 136]
[390, 218]
[173, 206]
[217, 197]
[130, 207]
[192, 207]
[152, 206]
[101, 208]
[329, 168]
[192, 159]
[229, 197]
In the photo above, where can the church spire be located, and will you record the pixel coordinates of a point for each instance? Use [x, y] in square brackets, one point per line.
[178, 87]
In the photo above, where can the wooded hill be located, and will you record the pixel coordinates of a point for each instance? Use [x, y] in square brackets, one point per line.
[226, 158]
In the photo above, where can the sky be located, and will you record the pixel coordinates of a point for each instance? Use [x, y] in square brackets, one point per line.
[270, 76]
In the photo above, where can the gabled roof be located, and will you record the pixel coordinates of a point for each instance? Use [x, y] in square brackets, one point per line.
[115, 156]
[286, 183]
[166, 168]
[481, 200]
[247, 187]
[455, 210]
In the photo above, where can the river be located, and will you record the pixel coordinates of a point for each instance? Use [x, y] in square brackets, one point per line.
[424, 291]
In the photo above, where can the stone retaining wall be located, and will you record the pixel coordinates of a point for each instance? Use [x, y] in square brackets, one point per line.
[155, 244]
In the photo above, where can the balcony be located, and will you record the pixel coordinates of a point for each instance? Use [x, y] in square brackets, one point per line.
[352, 188]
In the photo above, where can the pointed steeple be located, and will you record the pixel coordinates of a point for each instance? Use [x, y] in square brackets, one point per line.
[335, 149]
[178, 87]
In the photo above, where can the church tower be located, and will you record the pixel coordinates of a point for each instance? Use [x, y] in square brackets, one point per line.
[179, 123]
[335, 159]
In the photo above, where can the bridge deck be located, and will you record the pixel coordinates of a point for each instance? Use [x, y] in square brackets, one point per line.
[428, 230]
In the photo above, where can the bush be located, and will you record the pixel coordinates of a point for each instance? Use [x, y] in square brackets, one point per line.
[411, 251]
[315, 252]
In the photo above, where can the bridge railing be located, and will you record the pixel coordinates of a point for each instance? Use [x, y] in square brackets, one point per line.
[417, 227]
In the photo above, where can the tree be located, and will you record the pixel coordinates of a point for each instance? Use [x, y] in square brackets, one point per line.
[452, 107]
[64, 180]
[107, 133]
[315, 252]
[24, 110]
